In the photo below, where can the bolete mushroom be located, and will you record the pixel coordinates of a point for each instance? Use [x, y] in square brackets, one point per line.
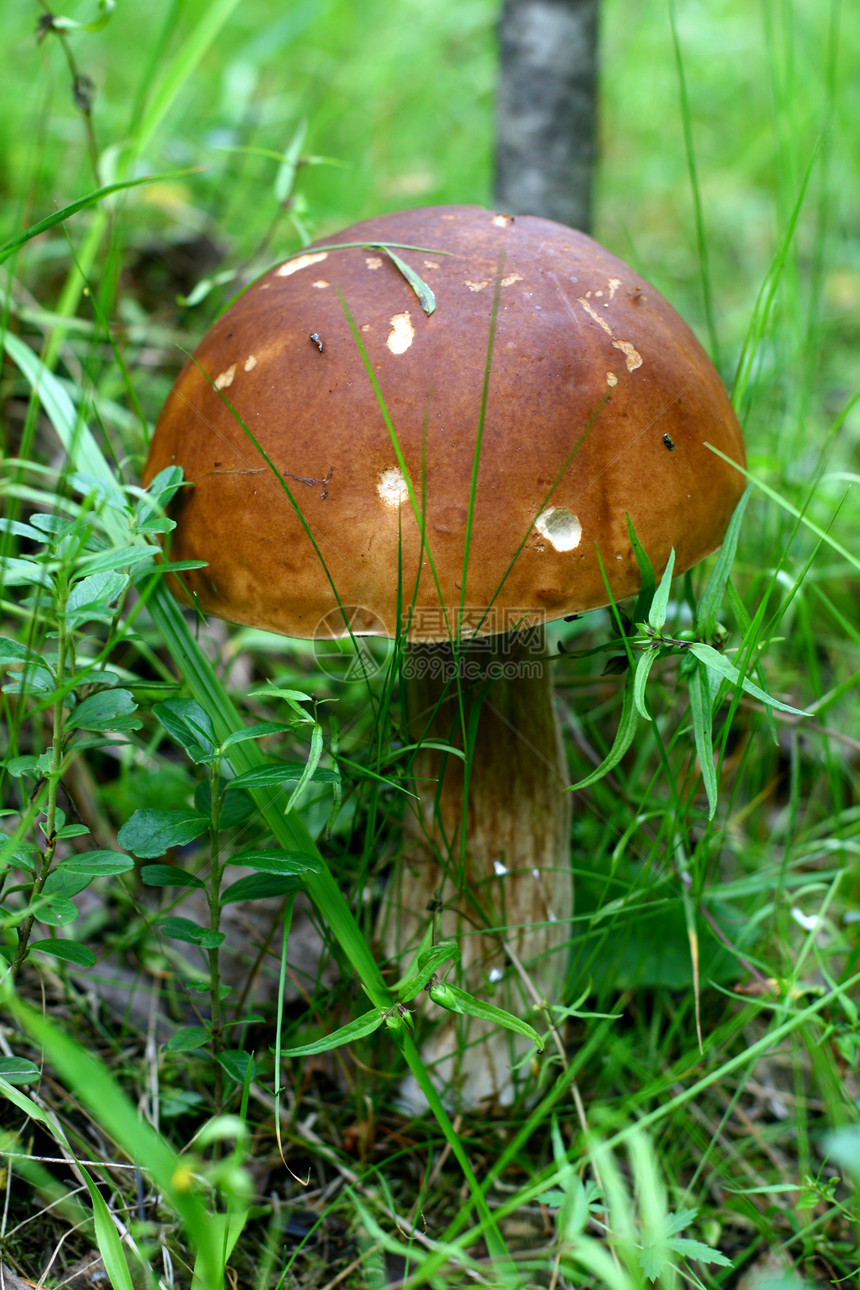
[456, 475]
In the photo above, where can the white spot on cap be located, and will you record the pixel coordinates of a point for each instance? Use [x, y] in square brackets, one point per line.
[402, 333]
[611, 378]
[301, 262]
[320, 284]
[632, 357]
[511, 279]
[373, 261]
[477, 286]
[592, 312]
[223, 379]
[560, 527]
[614, 284]
[392, 488]
[250, 362]
[502, 221]
[431, 264]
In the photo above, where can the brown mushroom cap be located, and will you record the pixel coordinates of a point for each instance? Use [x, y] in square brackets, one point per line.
[600, 402]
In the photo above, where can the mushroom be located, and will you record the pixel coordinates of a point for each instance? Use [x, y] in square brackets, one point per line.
[478, 492]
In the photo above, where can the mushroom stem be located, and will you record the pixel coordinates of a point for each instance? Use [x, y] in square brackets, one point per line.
[494, 872]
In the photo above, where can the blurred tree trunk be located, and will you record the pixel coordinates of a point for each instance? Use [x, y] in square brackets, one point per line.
[547, 109]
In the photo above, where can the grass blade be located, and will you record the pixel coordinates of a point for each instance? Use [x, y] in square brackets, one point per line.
[703, 733]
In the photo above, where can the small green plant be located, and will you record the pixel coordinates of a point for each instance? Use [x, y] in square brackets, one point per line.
[637, 1239]
[700, 648]
[66, 700]
[221, 802]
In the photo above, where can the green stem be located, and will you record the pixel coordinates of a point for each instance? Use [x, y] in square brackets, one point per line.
[495, 1241]
[47, 856]
[215, 928]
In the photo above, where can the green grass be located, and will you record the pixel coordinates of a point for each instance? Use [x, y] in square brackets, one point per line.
[708, 1090]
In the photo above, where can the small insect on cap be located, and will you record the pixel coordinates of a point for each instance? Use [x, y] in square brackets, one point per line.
[482, 401]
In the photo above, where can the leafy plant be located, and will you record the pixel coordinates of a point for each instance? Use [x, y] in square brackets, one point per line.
[78, 583]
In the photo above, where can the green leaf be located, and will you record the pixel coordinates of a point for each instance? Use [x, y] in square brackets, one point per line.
[60, 883]
[648, 582]
[169, 875]
[54, 910]
[189, 724]
[235, 807]
[678, 1219]
[106, 710]
[293, 699]
[418, 285]
[358, 1029]
[426, 964]
[24, 573]
[275, 773]
[712, 597]
[107, 1238]
[27, 765]
[148, 833]
[116, 558]
[94, 598]
[21, 530]
[158, 496]
[188, 1037]
[277, 861]
[624, 736]
[316, 750]
[184, 929]
[257, 731]
[67, 951]
[691, 1249]
[237, 1063]
[719, 663]
[259, 886]
[98, 863]
[13, 653]
[30, 681]
[700, 712]
[80, 204]
[640, 678]
[56, 525]
[72, 831]
[456, 1000]
[657, 612]
[19, 1070]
